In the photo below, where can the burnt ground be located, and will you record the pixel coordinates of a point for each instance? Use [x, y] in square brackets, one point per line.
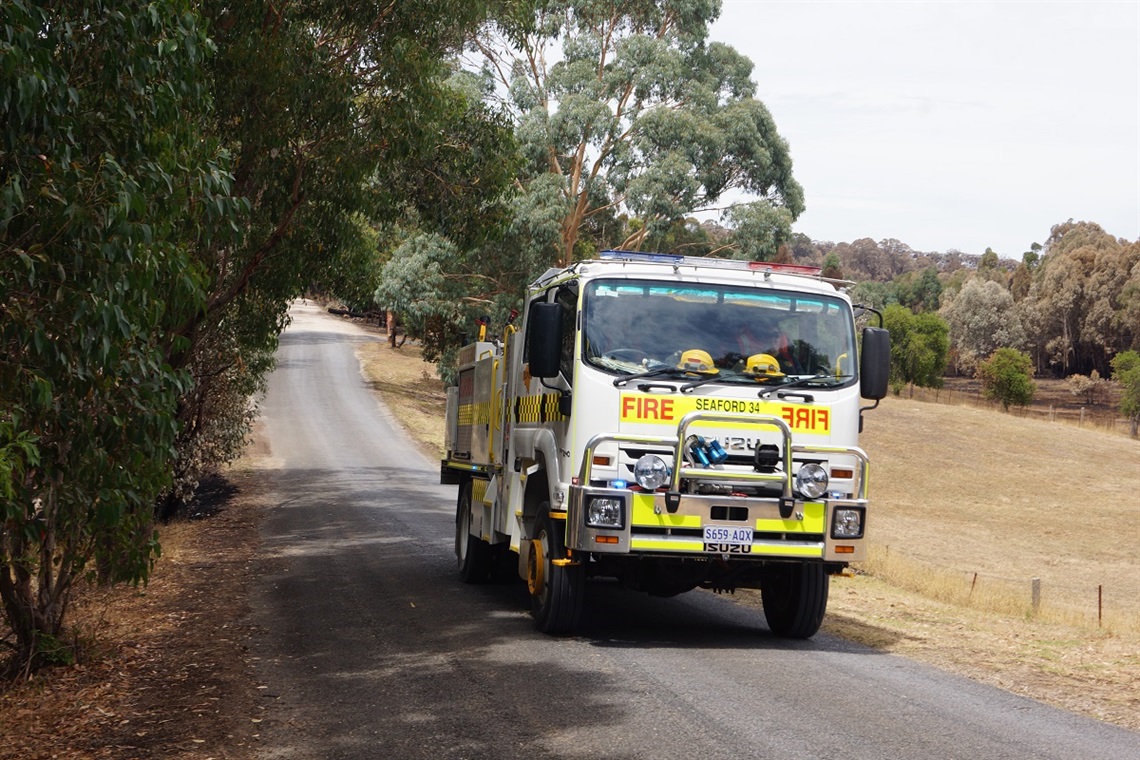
[164, 672]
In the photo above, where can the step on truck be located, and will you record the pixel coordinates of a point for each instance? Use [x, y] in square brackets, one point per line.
[672, 423]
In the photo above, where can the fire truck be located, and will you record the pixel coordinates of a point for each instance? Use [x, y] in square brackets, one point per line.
[673, 423]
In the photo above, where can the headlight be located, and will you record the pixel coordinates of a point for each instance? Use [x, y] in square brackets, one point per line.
[651, 472]
[605, 512]
[811, 481]
[847, 522]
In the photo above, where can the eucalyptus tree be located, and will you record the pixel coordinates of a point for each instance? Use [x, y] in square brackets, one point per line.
[919, 291]
[919, 347]
[340, 118]
[982, 318]
[108, 183]
[632, 109]
[832, 267]
[1126, 372]
[864, 259]
[1084, 301]
[163, 194]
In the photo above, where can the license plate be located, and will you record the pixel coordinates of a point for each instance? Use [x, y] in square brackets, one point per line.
[733, 535]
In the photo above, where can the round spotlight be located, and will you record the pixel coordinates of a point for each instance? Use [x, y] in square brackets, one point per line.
[651, 472]
[811, 481]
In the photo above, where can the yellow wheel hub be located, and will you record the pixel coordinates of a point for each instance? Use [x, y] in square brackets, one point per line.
[535, 580]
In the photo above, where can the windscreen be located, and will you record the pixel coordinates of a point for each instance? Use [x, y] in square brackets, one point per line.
[718, 333]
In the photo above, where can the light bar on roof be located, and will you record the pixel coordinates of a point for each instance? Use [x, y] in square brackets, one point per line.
[700, 261]
[804, 269]
[656, 258]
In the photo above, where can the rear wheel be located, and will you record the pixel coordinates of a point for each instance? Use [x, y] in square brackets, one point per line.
[473, 554]
[795, 599]
[556, 587]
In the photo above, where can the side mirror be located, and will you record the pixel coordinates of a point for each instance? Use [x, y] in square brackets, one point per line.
[544, 339]
[875, 363]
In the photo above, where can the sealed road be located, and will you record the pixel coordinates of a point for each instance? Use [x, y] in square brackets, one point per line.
[369, 646]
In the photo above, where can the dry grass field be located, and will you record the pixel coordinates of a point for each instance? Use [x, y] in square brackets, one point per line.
[970, 505]
[966, 490]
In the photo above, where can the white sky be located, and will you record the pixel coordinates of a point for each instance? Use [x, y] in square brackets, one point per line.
[951, 125]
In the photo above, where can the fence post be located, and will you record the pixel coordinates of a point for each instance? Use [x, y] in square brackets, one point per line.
[1036, 595]
[1100, 606]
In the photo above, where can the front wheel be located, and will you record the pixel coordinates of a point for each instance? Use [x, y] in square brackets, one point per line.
[473, 554]
[795, 599]
[556, 586]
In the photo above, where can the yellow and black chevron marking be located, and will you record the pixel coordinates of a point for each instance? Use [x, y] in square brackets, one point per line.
[542, 408]
[475, 414]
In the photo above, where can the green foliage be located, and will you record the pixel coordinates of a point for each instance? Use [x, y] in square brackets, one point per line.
[340, 120]
[638, 123]
[876, 295]
[1031, 257]
[759, 230]
[988, 261]
[439, 288]
[919, 346]
[108, 182]
[417, 283]
[1126, 372]
[919, 291]
[1007, 377]
[639, 113]
[144, 286]
[833, 269]
[1083, 306]
[688, 237]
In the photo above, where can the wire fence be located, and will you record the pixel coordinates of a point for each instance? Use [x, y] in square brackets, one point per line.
[1113, 604]
[1099, 419]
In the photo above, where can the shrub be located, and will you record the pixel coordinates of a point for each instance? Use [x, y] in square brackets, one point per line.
[1007, 376]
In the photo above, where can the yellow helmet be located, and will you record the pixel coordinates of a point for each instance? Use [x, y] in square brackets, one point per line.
[763, 365]
[696, 360]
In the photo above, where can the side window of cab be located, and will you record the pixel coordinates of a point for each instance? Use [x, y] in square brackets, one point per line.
[567, 298]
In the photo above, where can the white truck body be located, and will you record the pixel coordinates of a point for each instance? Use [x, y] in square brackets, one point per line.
[657, 357]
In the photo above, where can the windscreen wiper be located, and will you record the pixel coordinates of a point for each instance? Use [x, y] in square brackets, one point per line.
[671, 372]
[711, 378]
[803, 381]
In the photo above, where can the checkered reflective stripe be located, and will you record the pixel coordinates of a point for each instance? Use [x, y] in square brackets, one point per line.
[542, 408]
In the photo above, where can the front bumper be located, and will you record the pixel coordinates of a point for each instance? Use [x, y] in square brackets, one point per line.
[672, 520]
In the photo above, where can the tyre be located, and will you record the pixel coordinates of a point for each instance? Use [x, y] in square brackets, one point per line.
[556, 589]
[473, 554]
[795, 599]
